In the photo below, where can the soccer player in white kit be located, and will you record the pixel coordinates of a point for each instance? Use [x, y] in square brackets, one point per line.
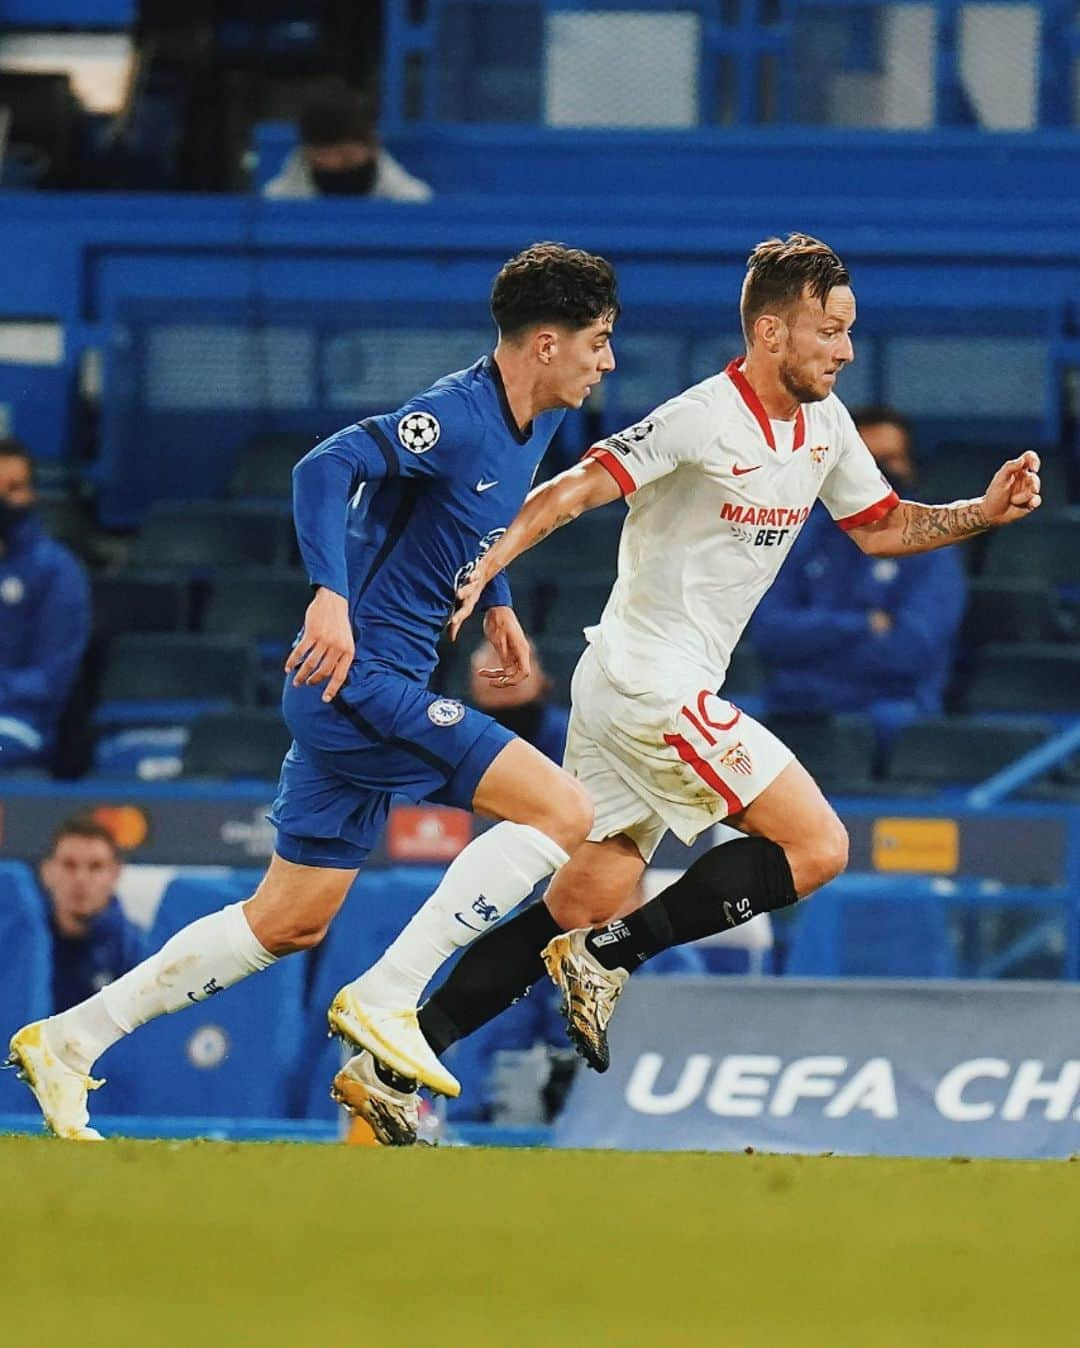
[719, 481]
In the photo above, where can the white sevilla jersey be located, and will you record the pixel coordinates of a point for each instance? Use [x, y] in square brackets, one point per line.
[717, 495]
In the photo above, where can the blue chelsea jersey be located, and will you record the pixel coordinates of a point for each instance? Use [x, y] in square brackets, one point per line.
[393, 512]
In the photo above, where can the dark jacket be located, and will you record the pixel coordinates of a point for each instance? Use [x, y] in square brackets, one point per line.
[112, 946]
[44, 628]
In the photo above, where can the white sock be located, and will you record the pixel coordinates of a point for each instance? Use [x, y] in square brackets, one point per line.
[483, 883]
[202, 959]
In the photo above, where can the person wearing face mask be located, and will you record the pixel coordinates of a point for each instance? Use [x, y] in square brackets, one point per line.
[340, 156]
[44, 619]
[841, 631]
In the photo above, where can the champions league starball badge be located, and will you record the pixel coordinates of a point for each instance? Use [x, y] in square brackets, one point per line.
[418, 432]
[445, 711]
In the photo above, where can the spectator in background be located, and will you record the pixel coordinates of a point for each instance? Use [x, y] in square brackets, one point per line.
[841, 631]
[339, 155]
[44, 618]
[92, 941]
[523, 709]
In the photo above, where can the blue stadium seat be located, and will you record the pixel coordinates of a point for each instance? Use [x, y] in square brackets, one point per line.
[173, 677]
[263, 470]
[229, 1057]
[1023, 678]
[245, 743]
[265, 605]
[576, 604]
[138, 601]
[25, 971]
[153, 687]
[961, 750]
[210, 535]
[1010, 609]
[871, 926]
[837, 750]
[1045, 549]
[378, 906]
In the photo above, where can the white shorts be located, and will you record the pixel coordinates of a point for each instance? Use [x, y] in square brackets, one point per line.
[655, 762]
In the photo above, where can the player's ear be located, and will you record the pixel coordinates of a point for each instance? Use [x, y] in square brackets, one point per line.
[546, 345]
[769, 331]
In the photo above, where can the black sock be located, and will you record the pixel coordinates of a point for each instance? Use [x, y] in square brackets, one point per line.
[726, 887]
[494, 972]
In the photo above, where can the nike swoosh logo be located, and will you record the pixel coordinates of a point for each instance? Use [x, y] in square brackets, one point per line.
[470, 926]
[486, 486]
[739, 471]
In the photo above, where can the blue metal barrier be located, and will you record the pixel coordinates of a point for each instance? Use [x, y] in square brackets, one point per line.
[901, 214]
[1027, 769]
[749, 63]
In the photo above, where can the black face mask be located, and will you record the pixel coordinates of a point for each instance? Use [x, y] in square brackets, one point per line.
[354, 182]
[12, 518]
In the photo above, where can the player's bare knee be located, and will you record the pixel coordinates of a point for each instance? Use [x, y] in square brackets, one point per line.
[582, 908]
[284, 932]
[822, 859]
[569, 817]
[300, 936]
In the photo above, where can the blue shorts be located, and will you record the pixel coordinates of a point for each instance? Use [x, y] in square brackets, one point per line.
[383, 735]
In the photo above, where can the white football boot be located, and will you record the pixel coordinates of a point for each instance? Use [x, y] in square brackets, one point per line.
[392, 1111]
[394, 1036]
[59, 1089]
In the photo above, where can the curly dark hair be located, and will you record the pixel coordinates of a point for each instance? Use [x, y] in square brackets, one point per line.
[780, 271]
[550, 283]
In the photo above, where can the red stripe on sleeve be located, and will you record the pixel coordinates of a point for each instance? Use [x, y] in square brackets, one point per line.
[606, 459]
[709, 739]
[705, 771]
[877, 511]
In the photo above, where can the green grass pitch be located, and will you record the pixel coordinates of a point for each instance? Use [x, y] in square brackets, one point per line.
[163, 1244]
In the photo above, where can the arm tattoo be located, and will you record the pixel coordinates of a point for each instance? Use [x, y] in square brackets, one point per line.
[931, 526]
[557, 524]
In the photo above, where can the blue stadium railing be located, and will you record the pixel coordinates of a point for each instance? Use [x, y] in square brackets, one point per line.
[758, 53]
[127, 277]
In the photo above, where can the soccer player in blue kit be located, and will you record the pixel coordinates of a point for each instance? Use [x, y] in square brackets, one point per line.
[391, 516]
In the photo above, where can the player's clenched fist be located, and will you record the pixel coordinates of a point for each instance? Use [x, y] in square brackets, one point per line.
[326, 647]
[1014, 490]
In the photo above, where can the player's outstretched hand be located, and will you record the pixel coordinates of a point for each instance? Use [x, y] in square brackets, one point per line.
[465, 602]
[511, 645]
[326, 648]
[1014, 490]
